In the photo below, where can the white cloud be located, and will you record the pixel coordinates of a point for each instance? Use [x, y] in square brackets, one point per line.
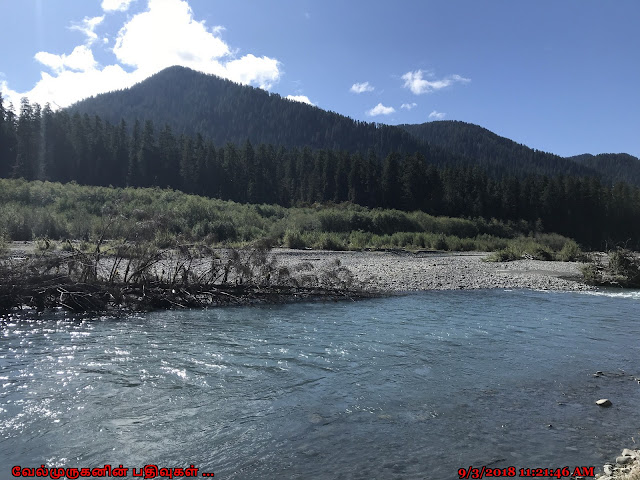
[88, 27]
[300, 98]
[116, 5]
[167, 34]
[437, 115]
[361, 87]
[415, 82]
[380, 110]
[70, 86]
[408, 106]
[262, 71]
[81, 59]
[163, 35]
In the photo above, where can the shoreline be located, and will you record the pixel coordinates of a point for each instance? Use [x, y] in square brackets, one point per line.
[310, 275]
[403, 271]
[625, 467]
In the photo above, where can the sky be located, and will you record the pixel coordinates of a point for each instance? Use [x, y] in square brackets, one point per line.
[558, 76]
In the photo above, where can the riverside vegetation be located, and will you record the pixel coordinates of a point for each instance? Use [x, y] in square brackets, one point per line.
[99, 248]
[50, 213]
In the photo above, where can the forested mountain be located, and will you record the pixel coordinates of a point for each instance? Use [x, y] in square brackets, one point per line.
[201, 134]
[223, 111]
[618, 167]
[499, 155]
[43, 145]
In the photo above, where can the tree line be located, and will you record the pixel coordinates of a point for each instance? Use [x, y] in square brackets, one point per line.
[39, 144]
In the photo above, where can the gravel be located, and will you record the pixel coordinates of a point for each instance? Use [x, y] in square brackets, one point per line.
[399, 271]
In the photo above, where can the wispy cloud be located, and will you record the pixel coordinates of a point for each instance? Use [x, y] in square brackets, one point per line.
[380, 109]
[300, 98]
[88, 27]
[361, 87]
[416, 82]
[408, 106]
[437, 115]
[164, 34]
[116, 5]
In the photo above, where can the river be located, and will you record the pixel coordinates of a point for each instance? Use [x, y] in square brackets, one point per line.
[408, 387]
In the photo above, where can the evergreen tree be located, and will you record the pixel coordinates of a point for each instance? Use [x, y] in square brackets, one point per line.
[8, 139]
[133, 168]
[391, 183]
[28, 144]
[147, 157]
[168, 159]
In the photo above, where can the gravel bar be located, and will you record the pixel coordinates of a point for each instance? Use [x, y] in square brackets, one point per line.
[398, 271]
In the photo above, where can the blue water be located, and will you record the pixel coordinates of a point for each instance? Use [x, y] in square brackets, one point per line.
[407, 387]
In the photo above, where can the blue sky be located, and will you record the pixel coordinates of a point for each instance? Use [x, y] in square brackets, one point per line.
[560, 76]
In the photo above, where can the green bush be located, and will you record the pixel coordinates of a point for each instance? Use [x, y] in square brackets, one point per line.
[359, 240]
[165, 239]
[330, 241]
[540, 252]
[392, 221]
[440, 243]
[591, 274]
[552, 240]
[293, 239]
[570, 252]
[507, 254]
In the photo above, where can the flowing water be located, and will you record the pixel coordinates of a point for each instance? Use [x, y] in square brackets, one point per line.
[412, 387]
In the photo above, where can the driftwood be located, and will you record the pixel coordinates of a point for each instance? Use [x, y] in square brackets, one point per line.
[141, 278]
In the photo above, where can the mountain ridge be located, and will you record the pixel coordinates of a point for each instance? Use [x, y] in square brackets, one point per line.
[192, 102]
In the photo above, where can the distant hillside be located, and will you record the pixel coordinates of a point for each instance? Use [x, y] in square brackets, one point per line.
[223, 111]
[497, 154]
[616, 167]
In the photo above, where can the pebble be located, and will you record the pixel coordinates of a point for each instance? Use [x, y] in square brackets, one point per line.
[604, 402]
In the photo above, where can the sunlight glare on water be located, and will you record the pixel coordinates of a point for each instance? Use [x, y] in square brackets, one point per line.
[414, 386]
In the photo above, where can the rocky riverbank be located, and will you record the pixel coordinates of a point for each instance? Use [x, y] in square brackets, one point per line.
[397, 271]
[626, 467]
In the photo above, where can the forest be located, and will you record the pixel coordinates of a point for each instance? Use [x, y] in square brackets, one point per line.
[39, 144]
[224, 112]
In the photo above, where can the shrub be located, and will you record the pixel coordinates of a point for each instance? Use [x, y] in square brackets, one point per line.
[539, 252]
[392, 221]
[591, 274]
[440, 243]
[622, 270]
[293, 239]
[626, 264]
[570, 252]
[331, 241]
[165, 239]
[359, 240]
[507, 254]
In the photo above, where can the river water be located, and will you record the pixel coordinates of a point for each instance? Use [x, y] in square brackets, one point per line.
[413, 386]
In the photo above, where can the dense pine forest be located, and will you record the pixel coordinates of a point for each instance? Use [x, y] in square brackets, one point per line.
[39, 144]
[221, 111]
